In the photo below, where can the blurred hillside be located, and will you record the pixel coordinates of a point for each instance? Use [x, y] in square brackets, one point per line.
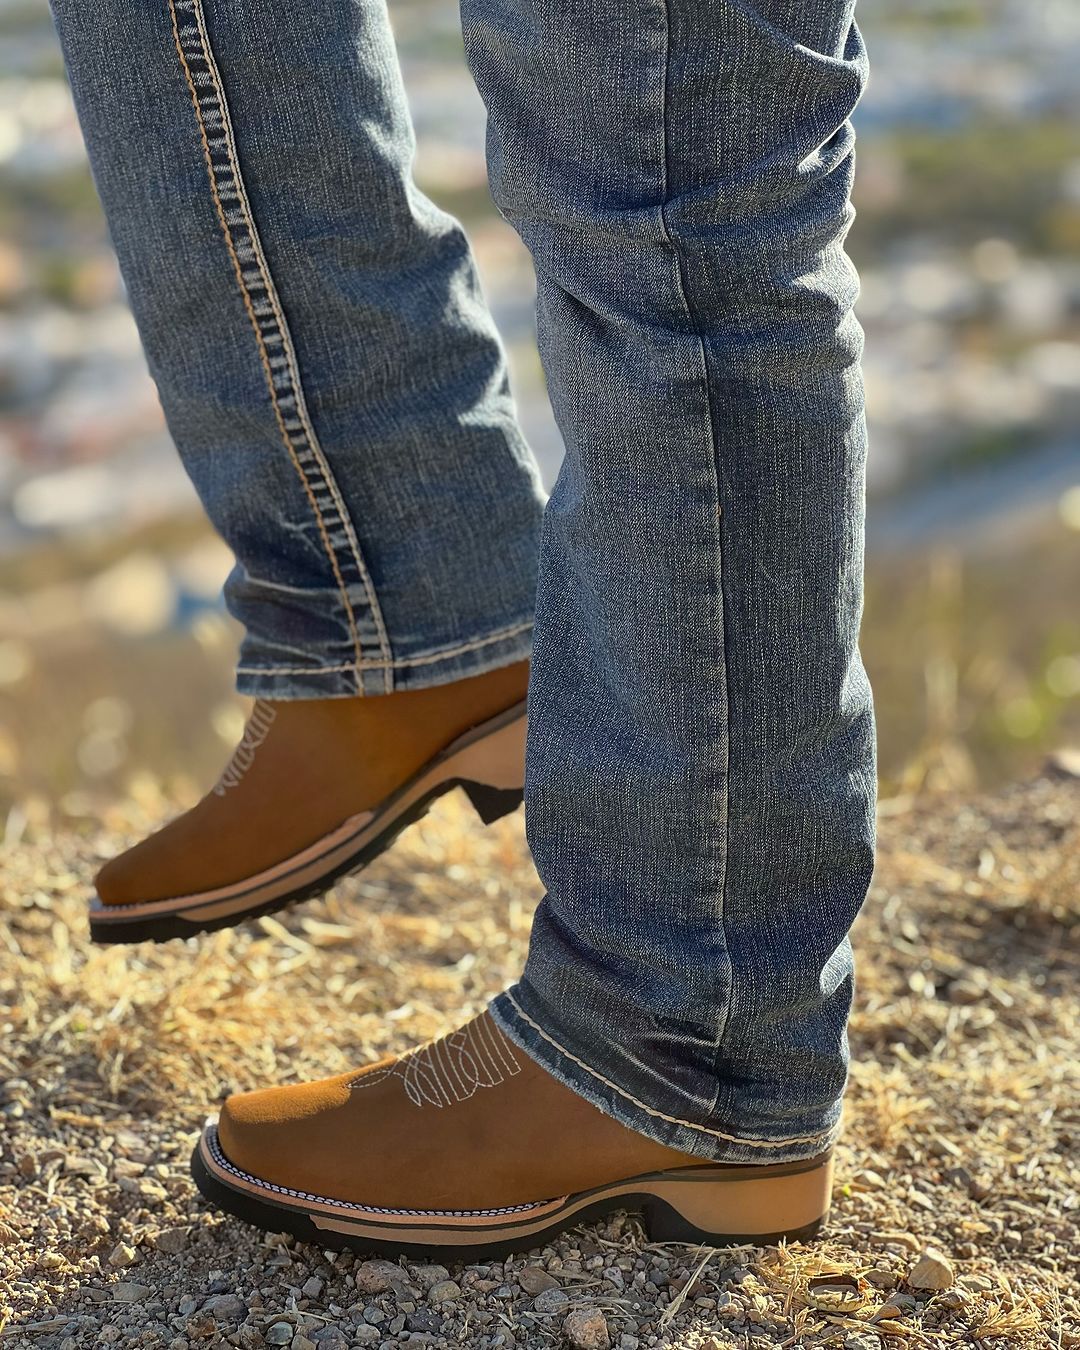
[114, 654]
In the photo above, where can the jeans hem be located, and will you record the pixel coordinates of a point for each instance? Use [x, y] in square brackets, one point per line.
[444, 665]
[727, 1145]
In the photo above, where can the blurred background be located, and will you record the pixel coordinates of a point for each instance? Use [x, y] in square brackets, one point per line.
[115, 653]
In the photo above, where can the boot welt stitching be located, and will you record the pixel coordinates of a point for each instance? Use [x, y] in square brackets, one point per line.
[192, 43]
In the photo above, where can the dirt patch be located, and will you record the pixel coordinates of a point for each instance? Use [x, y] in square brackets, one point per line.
[961, 1138]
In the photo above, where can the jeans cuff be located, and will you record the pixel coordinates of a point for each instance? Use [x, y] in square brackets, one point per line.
[727, 1143]
[264, 677]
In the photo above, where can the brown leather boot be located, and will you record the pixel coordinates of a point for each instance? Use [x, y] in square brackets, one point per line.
[467, 1149]
[315, 789]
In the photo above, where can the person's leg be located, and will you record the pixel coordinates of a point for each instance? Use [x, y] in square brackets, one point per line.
[701, 770]
[335, 386]
[700, 774]
[325, 360]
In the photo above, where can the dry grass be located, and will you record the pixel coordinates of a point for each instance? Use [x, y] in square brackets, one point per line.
[962, 1128]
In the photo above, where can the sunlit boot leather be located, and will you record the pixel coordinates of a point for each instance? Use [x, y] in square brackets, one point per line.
[315, 789]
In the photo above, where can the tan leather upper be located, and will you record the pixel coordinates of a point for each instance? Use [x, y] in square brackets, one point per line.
[469, 1122]
[303, 768]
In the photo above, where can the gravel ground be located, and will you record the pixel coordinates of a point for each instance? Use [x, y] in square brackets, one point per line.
[956, 1213]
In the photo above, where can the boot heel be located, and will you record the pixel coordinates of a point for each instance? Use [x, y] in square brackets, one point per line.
[728, 1206]
[492, 803]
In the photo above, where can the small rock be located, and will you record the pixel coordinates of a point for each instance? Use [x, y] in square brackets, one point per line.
[80, 1166]
[226, 1308]
[550, 1301]
[932, 1271]
[975, 1284]
[302, 1342]
[375, 1277]
[129, 1144]
[881, 1279]
[125, 1292]
[587, 1329]
[896, 1239]
[281, 1333]
[423, 1320]
[628, 1342]
[122, 1256]
[428, 1276]
[444, 1292]
[171, 1241]
[312, 1287]
[366, 1335]
[951, 1298]
[534, 1280]
[838, 1292]
[201, 1327]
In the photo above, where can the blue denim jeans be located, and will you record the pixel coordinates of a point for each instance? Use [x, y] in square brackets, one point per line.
[700, 777]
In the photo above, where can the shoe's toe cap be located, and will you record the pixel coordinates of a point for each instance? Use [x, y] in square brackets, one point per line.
[123, 880]
[288, 1136]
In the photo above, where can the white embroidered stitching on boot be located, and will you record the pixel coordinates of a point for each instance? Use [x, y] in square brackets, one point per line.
[256, 731]
[453, 1068]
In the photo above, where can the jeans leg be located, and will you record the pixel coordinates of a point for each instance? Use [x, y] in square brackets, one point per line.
[325, 360]
[701, 753]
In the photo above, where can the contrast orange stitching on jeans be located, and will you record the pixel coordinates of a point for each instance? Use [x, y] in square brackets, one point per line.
[219, 111]
[672, 1120]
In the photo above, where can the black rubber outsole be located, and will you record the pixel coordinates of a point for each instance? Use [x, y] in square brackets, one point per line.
[662, 1223]
[490, 803]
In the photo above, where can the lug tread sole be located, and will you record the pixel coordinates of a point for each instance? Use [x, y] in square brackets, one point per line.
[661, 1220]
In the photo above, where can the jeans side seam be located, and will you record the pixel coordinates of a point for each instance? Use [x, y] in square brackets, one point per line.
[823, 1138]
[395, 663]
[216, 114]
[725, 813]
